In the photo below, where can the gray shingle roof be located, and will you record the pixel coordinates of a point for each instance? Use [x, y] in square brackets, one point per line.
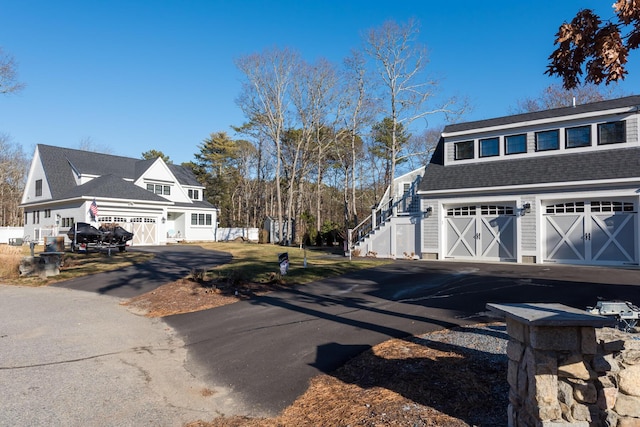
[111, 186]
[619, 163]
[60, 163]
[629, 101]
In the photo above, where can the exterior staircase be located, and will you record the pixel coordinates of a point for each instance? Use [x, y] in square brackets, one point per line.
[393, 228]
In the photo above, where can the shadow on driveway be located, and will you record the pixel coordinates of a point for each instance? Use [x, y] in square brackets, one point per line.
[269, 347]
[170, 263]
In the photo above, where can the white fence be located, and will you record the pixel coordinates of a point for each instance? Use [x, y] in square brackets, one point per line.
[229, 234]
[7, 233]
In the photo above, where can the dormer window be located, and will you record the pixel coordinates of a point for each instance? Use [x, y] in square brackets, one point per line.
[489, 147]
[159, 189]
[578, 136]
[464, 150]
[547, 140]
[194, 194]
[611, 133]
[515, 144]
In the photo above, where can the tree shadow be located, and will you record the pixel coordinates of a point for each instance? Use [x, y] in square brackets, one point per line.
[170, 263]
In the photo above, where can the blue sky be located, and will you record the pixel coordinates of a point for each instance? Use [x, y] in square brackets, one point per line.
[139, 75]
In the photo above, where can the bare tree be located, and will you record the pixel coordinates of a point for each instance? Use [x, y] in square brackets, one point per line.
[556, 96]
[599, 49]
[264, 100]
[401, 64]
[8, 75]
[13, 173]
[315, 92]
[422, 147]
[358, 111]
[87, 143]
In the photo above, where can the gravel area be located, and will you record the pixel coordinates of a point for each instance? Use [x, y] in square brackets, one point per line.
[490, 339]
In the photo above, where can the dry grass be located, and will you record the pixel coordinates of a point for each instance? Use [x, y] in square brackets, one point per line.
[10, 257]
[74, 264]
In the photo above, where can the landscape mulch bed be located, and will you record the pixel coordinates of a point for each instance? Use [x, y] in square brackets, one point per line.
[188, 295]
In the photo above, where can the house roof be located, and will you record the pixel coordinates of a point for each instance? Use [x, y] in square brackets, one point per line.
[629, 101]
[114, 174]
[111, 186]
[586, 166]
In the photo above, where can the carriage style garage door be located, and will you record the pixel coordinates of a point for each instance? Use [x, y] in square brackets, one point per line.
[144, 231]
[600, 232]
[485, 232]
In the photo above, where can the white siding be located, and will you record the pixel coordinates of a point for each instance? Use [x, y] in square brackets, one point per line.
[632, 129]
[430, 235]
[528, 226]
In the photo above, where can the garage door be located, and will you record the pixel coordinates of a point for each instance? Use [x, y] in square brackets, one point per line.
[144, 231]
[486, 232]
[598, 232]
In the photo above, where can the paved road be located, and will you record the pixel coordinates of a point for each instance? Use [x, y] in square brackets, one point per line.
[266, 349]
[169, 264]
[70, 358]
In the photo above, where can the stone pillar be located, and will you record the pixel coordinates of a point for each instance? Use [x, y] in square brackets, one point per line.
[551, 376]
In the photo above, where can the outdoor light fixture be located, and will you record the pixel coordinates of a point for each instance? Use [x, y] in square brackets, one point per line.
[526, 207]
[427, 211]
[164, 220]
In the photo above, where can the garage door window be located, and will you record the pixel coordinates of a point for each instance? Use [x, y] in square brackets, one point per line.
[569, 207]
[496, 210]
[462, 211]
[607, 206]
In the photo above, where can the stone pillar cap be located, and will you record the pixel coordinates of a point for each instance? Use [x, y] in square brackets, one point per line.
[550, 314]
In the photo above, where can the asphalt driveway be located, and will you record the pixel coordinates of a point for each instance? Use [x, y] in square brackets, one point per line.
[169, 264]
[256, 355]
[265, 350]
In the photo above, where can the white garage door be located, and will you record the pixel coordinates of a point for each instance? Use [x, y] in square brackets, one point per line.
[599, 232]
[485, 232]
[144, 231]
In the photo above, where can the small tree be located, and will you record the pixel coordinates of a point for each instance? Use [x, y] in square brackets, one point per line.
[556, 96]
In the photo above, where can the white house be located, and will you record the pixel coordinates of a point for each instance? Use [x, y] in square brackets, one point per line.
[158, 202]
[555, 186]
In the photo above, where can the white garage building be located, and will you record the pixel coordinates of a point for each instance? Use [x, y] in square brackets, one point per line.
[554, 186]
